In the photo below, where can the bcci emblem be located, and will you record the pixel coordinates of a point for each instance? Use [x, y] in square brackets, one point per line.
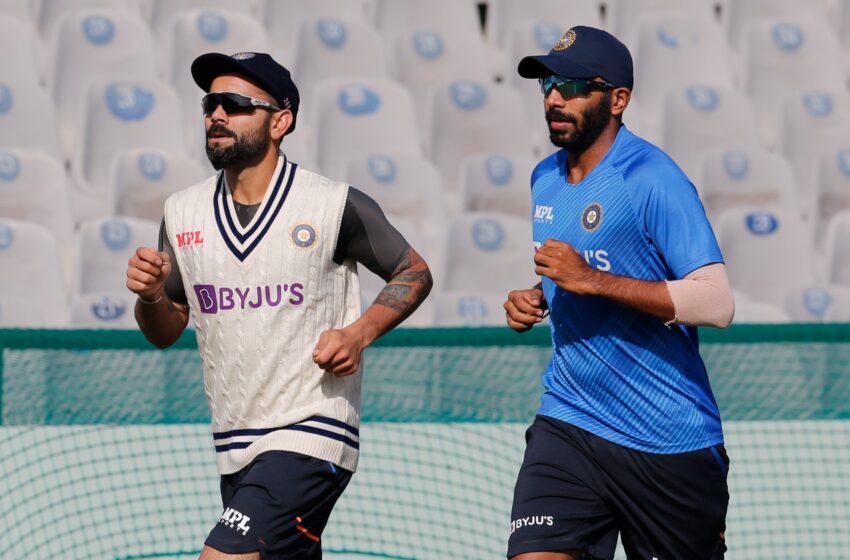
[303, 235]
[566, 40]
[243, 56]
[591, 217]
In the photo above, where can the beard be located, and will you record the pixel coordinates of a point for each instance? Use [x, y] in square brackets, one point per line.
[245, 150]
[595, 119]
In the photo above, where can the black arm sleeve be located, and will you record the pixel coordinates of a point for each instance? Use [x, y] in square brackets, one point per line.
[366, 236]
[174, 283]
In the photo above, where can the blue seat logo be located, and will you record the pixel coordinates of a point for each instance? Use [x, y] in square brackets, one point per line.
[471, 307]
[843, 158]
[762, 223]
[703, 99]
[468, 96]
[10, 167]
[547, 34]
[152, 166]
[428, 44]
[383, 169]
[332, 33]
[787, 37]
[107, 309]
[212, 26]
[817, 301]
[7, 237]
[817, 104]
[129, 102]
[358, 101]
[115, 235]
[488, 234]
[500, 170]
[736, 164]
[99, 30]
[5, 99]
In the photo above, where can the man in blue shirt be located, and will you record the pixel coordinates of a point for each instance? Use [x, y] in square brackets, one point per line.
[628, 439]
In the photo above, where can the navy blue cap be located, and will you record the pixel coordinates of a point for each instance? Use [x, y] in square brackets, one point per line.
[583, 52]
[261, 68]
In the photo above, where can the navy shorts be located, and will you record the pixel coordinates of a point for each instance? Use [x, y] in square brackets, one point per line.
[577, 491]
[278, 506]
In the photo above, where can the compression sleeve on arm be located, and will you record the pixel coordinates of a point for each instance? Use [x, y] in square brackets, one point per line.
[367, 236]
[174, 283]
[703, 297]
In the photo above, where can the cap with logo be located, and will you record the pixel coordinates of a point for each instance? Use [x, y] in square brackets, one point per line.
[583, 52]
[261, 68]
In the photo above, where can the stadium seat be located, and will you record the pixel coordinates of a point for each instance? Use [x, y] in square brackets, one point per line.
[404, 185]
[698, 118]
[336, 48]
[837, 249]
[831, 186]
[283, 19]
[164, 12]
[299, 147]
[52, 12]
[472, 118]
[28, 118]
[142, 179]
[767, 252]
[120, 116]
[103, 248]
[748, 311]
[104, 310]
[818, 304]
[497, 183]
[745, 176]
[675, 51]
[90, 44]
[469, 308]
[19, 46]
[739, 15]
[624, 16]
[30, 272]
[402, 17]
[356, 118]
[489, 252]
[844, 23]
[193, 33]
[21, 10]
[785, 57]
[504, 15]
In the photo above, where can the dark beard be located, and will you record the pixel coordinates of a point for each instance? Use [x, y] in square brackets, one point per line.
[595, 120]
[244, 152]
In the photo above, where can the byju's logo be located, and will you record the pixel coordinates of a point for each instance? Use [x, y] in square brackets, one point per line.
[235, 520]
[543, 214]
[211, 299]
[532, 521]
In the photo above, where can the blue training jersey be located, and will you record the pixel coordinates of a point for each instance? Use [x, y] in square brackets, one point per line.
[616, 372]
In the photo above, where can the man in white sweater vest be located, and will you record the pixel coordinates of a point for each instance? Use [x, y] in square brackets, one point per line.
[264, 255]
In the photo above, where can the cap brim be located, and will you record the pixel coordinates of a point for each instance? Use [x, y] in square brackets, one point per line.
[208, 67]
[534, 67]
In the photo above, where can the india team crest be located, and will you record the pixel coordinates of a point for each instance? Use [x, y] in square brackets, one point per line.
[303, 235]
[566, 40]
[591, 217]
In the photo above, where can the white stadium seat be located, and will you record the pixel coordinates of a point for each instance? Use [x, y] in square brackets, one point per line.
[503, 15]
[103, 248]
[104, 310]
[299, 147]
[831, 185]
[817, 304]
[164, 12]
[489, 252]
[19, 46]
[767, 252]
[30, 272]
[469, 308]
[624, 16]
[741, 14]
[336, 48]
[28, 118]
[52, 12]
[748, 311]
[837, 249]
[497, 182]
[472, 118]
[142, 179]
[92, 44]
[698, 118]
[356, 118]
[745, 176]
[401, 17]
[120, 116]
[22, 10]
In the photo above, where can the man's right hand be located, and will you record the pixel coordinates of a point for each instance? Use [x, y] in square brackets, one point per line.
[147, 272]
[525, 308]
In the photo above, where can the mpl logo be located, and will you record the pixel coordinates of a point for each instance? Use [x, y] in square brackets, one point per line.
[212, 299]
[189, 238]
[543, 214]
[235, 520]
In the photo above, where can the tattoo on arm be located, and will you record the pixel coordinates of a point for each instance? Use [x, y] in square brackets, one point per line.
[410, 284]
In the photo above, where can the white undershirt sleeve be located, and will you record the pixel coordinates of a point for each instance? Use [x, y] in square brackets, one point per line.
[703, 298]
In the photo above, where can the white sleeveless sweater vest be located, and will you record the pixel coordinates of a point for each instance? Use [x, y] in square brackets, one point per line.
[260, 296]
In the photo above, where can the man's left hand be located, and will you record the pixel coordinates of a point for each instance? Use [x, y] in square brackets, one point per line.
[338, 352]
[564, 265]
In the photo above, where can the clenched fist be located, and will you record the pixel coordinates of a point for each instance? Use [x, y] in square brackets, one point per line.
[525, 308]
[147, 272]
[338, 352]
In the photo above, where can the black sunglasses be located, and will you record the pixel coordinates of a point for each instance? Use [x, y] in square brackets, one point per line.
[569, 87]
[234, 103]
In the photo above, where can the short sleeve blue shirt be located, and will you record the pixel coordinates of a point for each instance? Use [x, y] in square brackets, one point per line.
[616, 372]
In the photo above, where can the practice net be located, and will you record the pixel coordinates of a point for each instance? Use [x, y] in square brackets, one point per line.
[106, 452]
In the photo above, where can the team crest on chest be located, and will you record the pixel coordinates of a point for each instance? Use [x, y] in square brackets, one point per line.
[303, 235]
[591, 217]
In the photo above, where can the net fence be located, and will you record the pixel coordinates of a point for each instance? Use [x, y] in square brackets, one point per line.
[106, 452]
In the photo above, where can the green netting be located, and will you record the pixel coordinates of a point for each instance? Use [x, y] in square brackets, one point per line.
[105, 451]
